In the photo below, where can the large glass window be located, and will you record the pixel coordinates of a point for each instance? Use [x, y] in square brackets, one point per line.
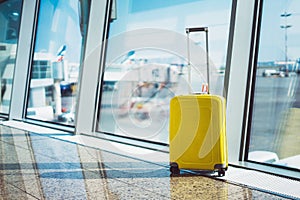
[275, 123]
[60, 35]
[146, 62]
[10, 15]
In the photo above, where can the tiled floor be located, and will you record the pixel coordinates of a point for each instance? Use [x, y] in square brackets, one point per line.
[41, 166]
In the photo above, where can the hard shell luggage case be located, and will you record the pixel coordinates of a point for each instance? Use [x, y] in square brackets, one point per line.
[198, 130]
[198, 133]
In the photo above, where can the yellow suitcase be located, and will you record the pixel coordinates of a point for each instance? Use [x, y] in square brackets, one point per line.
[198, 133]
[197, 129]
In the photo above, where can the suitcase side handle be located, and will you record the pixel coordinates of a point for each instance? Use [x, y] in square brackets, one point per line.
[188, 31]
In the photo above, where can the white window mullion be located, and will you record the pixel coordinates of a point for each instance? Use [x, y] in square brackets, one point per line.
[237, 76]
[22, 72]
[88, 86]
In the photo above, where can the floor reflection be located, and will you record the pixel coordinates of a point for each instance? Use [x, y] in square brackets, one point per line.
[37, 166]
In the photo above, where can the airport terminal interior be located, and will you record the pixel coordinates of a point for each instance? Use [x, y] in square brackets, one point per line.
[86, 92]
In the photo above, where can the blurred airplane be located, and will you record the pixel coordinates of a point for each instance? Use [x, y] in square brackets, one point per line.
[61, 53]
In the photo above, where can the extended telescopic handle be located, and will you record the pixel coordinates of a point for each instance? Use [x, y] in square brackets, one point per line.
[197, 29]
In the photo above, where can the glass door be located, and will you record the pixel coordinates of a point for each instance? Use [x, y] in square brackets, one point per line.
[58, 46]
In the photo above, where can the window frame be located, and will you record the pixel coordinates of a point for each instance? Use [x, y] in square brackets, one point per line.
[19, 42]
[244, 52]
[276, 169]
[23, 60]
[92, 68]
[237, 77]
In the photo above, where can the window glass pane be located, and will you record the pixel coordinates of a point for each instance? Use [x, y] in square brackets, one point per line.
[146, 62]
[276, 113]
[10, 15]
[60, 36]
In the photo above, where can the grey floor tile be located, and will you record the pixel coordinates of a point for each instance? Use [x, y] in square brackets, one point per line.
[9, 191]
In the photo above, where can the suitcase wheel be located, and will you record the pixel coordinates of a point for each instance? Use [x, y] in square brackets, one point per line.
[221, 172]
[174, 169]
